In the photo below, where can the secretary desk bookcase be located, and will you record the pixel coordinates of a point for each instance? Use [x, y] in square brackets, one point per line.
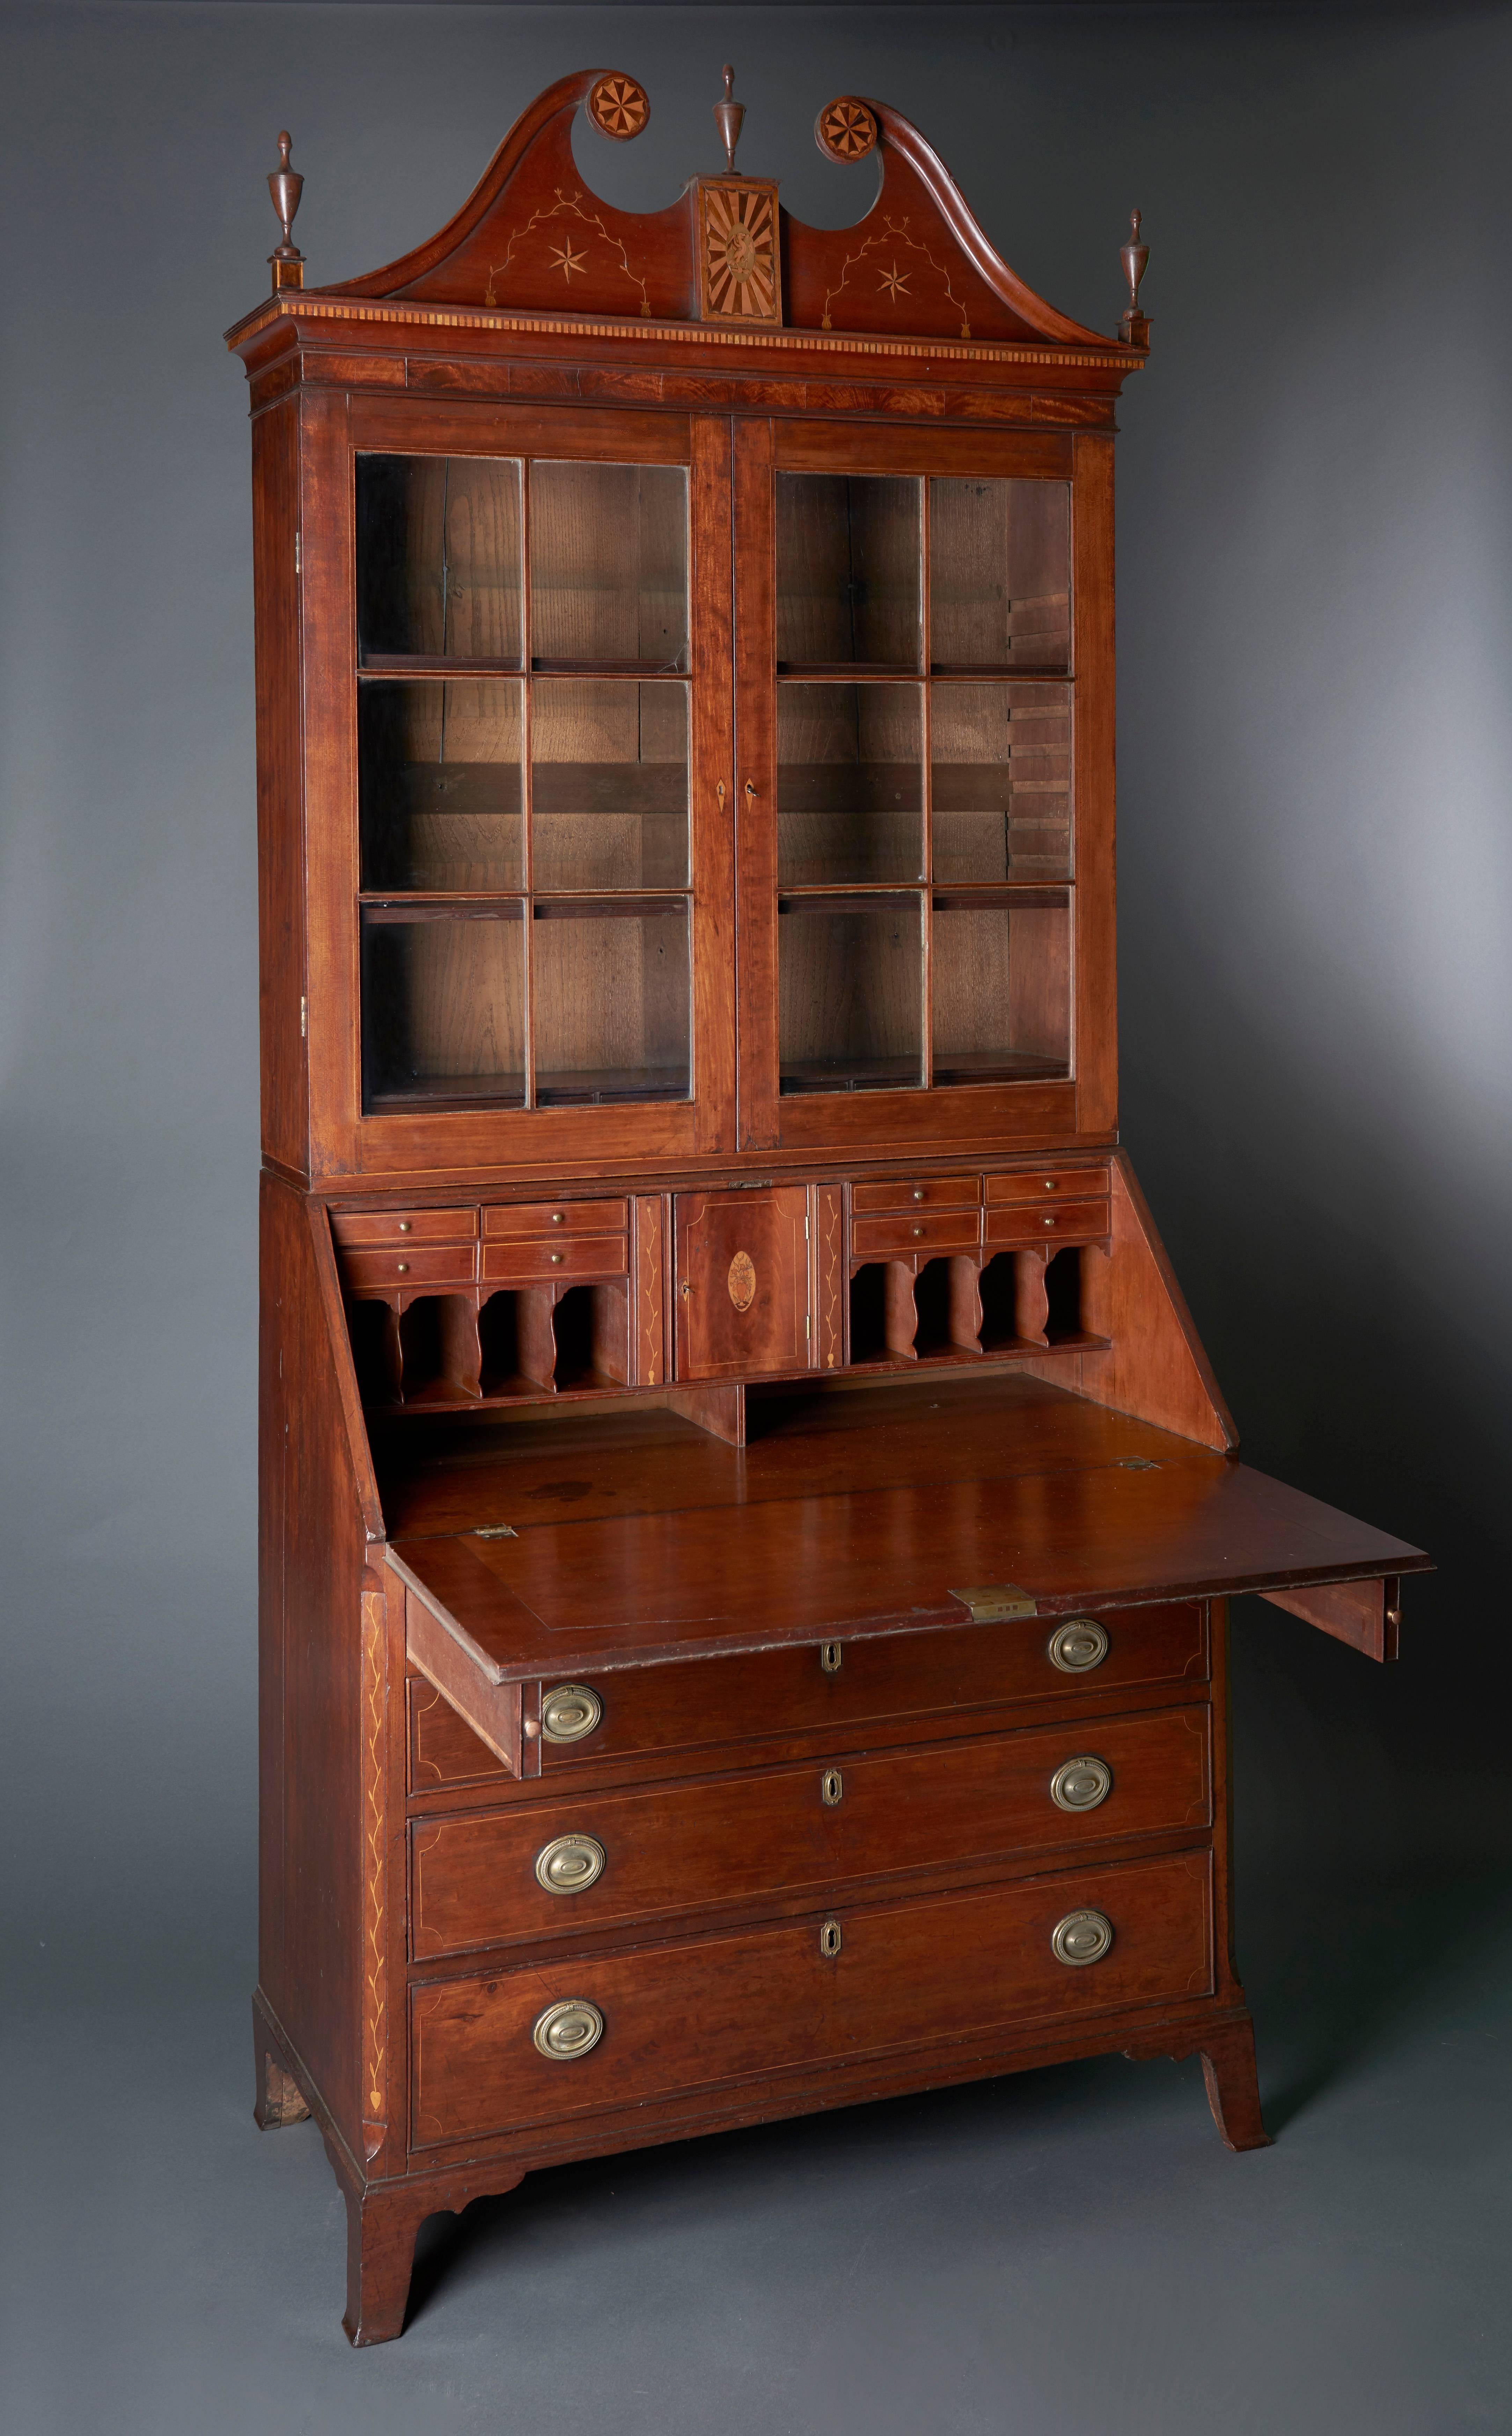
[746, 1518]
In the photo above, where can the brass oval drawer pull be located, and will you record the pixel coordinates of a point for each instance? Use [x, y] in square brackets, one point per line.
[570, 1862]
[569, 2029]
[569, 1712]
[1081, 1784]
[830, 1940]
[831, 1787]
[1081, 1938]
[1078, 1647]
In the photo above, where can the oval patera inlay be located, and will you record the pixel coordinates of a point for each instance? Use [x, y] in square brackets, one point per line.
[742, 1281]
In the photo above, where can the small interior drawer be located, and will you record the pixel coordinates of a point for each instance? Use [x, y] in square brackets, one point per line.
[1046, 1183]
[927, 1192]
[436, 1265]
[947, 1230]
[556, 1218]
[352, 1228]
[1068, 1222]
[577, 1256]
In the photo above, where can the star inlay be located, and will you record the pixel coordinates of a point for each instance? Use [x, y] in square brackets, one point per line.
[896, 283]
[564, 260]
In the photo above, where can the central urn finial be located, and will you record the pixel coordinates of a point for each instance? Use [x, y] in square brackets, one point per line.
[729, 116]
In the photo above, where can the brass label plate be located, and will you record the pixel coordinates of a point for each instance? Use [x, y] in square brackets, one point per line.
[995, 1602]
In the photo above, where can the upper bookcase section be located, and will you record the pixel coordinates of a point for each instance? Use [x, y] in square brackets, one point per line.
[532, 240]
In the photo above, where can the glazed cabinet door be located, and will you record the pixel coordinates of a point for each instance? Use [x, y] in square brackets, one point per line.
[520, 856]
[924, 653]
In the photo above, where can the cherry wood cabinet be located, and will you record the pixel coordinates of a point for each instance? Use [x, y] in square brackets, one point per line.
[745, 1517]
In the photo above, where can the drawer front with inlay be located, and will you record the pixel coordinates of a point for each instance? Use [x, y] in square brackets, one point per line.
[354, 1228]
[551, 1218]
[925, 1192]
[1046, 1184]
[579, 1256]
[439, 1266]
[1068, 1222]
[838, 1687]
[574, 2035]
[948, 1230]
[481, 1879]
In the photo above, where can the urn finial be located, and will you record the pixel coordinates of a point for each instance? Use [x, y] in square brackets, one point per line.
[1134, 326]
[286, 186]
[729, 116]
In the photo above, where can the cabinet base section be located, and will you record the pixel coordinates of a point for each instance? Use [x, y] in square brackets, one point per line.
[384, 2218]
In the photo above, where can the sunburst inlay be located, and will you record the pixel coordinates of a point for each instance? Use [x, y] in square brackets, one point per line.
[740, 279]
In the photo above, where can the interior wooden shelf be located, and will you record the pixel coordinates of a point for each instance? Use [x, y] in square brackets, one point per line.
[437, 1093]
[853, 1074]
[435, 664]
[993, 1066]
[853, 671]
[430, 664]
[605, 1083]
[971, 672]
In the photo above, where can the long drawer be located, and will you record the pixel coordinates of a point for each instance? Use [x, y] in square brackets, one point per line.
[831, 1688]
[494, 1877]
[677, 2018]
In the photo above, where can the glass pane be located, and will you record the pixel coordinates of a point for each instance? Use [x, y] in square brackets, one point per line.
[1002, 988]
[438, 558]
[439, 778]
[609, 784]
[609, 565]
[1001, 761]
[848, 975]
[442, 1007]
[1000, 574]
[847, 571]
[850, 797]
[610, 1001]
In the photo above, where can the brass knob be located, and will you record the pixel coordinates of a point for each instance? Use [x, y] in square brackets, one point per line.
[1049, 1222]
[918, 1230]
[570, 1862]
[1078, 1647]
[404, 1226]
[569, 1712]
[1081, 1784]
[1081, 1938]
[569, 2029]
[830, 1940]
[831, 1787]
[556, 1218]
[918, 1193]
[1049, 1184]
[403, 1267]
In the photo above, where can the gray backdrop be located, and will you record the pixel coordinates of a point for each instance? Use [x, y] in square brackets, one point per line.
[1314, 650]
